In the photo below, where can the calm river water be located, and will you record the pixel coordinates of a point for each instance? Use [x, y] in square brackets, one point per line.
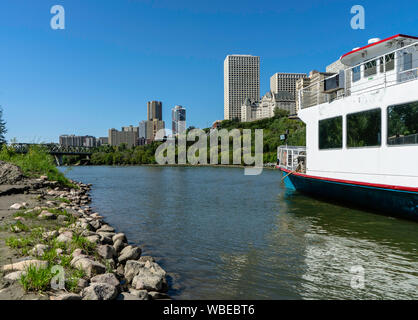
[223, 235]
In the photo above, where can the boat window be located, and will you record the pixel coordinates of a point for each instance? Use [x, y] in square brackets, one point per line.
[388, 61]
[370, 68]
[364, 129]
[403, 124]
[356, 73]
[331, 133]
[407, 61]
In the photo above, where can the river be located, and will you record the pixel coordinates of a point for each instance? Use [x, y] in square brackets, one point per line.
[223, 235]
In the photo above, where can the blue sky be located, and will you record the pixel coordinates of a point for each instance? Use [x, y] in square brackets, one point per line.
[115, 55]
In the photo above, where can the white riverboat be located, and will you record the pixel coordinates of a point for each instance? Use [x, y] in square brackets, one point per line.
[362, 131]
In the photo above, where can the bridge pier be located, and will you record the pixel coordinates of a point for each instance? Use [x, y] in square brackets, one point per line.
[58, 159]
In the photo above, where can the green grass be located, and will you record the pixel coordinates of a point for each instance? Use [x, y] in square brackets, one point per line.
[19, 225]
[64, 200]
[35, 163]
[81, 242]
[27, 214]
[37, 279]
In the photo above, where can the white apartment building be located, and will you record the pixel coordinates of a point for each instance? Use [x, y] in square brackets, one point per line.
[256, 110]
[281, 81]
[241, 81]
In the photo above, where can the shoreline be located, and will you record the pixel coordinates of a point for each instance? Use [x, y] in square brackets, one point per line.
[173, 165]
[60, 223]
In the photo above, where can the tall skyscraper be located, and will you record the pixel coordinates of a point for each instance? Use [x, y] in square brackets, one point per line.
[241, 81]
[142, 131]
[178, 119]
[155, 110]
[281, 81]
[155, 121]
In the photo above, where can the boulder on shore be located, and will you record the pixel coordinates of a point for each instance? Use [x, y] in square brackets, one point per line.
[99, 291]
[129, 253]
[9, 173]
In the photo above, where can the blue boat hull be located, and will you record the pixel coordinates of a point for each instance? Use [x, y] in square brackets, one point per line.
[397, 203]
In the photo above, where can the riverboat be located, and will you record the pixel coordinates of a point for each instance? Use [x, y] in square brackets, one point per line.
[361, 130]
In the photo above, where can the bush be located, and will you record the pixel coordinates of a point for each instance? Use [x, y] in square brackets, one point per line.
[35, 163]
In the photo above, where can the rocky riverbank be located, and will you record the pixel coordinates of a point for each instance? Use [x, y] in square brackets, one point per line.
[53, 246]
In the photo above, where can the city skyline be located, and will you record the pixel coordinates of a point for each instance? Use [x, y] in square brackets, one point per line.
[96, 75]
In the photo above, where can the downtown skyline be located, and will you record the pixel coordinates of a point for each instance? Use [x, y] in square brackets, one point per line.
[112, 58]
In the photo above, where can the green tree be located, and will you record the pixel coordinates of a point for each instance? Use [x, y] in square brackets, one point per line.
[3, 129]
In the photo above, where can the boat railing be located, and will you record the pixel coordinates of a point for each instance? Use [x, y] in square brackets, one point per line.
[390, 69]
[292, 158]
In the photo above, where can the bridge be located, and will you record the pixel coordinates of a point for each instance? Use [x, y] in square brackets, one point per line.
[55, 150]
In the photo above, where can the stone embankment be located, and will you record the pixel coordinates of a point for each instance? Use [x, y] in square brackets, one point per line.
[61, 229]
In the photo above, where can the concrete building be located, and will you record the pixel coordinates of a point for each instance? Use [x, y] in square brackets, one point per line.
[154, 110]
[335, 67]
[281, 81]
[178, 115]
[142, 129]
[313, 89]
[256, 110]
[241, 81]
[102, 141]
[116, 138]
[77, 141]
[152, 127]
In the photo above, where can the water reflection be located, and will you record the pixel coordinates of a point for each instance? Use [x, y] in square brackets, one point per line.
[223, 235]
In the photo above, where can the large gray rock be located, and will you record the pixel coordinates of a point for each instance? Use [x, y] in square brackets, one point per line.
[39, 250]
[99, 291]
[148, 281]
[47, 215]
[145, 275]
[9, 173]
[94, 238]
[66, 237]
[91, 267]
[95, 224]
[106, 251]
[106, 234]
[108, 278]
[14, 276]
[23, 265]
[140, 294]
[17, 206]
[119, 236]
[119, 245]
[106, 228]
[129, 253]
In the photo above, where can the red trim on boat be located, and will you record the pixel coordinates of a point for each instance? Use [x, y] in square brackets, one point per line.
[381, 41]
[383, 186]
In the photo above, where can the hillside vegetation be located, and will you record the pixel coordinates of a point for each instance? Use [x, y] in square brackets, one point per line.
[272, 129]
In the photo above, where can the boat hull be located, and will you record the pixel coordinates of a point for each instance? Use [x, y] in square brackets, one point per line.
[390, 200]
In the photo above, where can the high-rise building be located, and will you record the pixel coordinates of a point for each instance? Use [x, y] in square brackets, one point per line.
[77, 141]
[116, 138]
[178, 119]
[154, 110]
[281, 81]
[153, 126]
[241, 81]
[142, 129]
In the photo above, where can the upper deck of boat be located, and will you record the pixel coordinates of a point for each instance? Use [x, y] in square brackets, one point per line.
[380, 64]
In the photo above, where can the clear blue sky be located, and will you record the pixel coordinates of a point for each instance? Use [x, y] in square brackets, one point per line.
[115, 55]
